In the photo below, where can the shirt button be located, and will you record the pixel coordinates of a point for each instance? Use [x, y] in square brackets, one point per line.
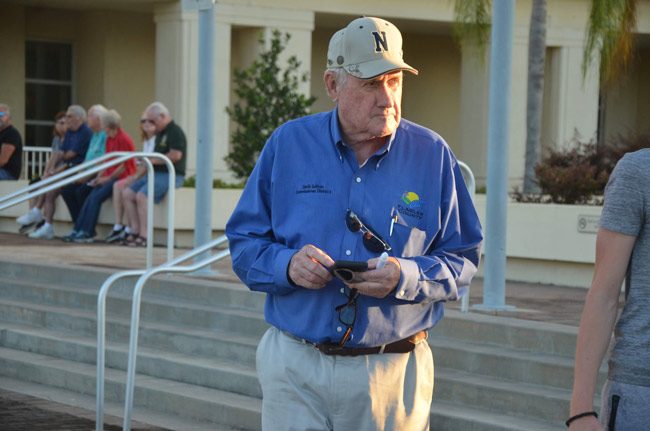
[343, 290]
[358, 179]
[339, 329]
[348, 252]
[402, 293]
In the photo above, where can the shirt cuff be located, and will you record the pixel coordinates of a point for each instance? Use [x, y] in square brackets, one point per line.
[407, 286]
[281, 269]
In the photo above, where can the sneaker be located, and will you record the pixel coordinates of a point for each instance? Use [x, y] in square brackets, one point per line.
[70, 236]
[31, 217]
[44, 232]
[83, 238]
[116, 235]
[27, 228]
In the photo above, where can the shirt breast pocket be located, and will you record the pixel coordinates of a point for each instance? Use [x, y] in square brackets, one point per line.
[408, 241]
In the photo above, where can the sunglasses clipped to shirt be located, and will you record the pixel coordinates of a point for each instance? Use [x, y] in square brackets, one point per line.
[371, 240]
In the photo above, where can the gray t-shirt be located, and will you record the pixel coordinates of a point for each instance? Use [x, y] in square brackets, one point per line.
[627, 211]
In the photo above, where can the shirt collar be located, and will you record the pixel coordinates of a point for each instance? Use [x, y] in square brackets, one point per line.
[337, 139]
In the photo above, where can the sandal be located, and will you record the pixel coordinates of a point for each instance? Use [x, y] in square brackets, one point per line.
[138, 242]
[129, 238]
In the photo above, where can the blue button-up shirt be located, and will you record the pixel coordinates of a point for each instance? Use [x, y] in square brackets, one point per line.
[306, 179]
[77, 141]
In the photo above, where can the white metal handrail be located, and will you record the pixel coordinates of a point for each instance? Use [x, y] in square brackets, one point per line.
[96, 165]
[470, 182]
[170, 266]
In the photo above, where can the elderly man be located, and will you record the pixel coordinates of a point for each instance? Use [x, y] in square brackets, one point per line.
[74, 195]
[354, 184]
[11, 146]
[73, 151]
[170, 141]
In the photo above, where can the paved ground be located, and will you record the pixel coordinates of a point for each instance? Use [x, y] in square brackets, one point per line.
[19, 412]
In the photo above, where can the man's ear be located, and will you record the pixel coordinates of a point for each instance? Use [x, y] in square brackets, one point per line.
[331, 85]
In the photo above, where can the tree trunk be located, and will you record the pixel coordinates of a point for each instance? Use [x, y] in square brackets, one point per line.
[535, 96]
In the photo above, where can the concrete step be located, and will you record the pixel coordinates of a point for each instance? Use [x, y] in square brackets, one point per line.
[453, 417]
[190, 315]
[200, 335]
[210, 291]
[538, 337]
[516, 399]
[214, 373]
[209, 343]
[504, 363]
[196, 403]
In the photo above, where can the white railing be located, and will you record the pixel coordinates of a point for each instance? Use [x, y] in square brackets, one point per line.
[470, 182]
[34, 161]
[169, 267]
[96, 165]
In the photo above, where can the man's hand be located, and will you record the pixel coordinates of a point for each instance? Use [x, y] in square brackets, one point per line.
[379, 282]
[308, 267]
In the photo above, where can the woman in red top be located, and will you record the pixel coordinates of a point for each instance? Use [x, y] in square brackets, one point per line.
[117, 140]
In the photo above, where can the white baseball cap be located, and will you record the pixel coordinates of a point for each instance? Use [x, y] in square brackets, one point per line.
[366, 48]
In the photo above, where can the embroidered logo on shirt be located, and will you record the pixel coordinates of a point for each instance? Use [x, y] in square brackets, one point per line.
[412, 205]
[313, 188]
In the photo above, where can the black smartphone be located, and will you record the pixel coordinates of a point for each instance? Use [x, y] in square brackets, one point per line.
[347, 270]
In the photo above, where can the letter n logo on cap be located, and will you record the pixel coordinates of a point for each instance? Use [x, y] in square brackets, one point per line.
[381, 44]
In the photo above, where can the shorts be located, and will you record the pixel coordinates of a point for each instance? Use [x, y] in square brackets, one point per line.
[625, 407]
[160, 185]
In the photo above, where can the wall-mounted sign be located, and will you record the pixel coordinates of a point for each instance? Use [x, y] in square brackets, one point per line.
[588, 223]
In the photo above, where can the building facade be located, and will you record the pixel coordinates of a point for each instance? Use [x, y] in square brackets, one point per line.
[127, 53]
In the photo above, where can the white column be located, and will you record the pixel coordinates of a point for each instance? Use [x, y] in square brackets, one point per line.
[223, 78]
[473, 112]
[176, 69]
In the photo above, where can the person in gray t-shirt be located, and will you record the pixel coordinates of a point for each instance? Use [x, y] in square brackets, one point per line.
[622, 249]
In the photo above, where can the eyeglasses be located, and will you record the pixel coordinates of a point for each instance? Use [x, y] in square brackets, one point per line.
[371, 240]
[348, 315]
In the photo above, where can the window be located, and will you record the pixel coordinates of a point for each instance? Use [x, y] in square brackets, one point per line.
[48, 88]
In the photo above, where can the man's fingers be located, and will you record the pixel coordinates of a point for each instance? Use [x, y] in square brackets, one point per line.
[309, 268]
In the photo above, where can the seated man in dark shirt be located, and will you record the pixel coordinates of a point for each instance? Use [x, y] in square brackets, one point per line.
[73, 151]
[11, 147]
[170, 141]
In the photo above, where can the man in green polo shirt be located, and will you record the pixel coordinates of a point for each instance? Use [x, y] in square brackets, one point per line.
[170, 141]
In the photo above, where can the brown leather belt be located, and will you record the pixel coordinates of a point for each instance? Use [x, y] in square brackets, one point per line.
[405, 345]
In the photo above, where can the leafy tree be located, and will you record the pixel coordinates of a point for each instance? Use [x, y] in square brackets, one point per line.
[268, 96]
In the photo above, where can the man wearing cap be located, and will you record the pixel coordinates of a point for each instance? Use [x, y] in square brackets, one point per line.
[356, 183]
[11, 146]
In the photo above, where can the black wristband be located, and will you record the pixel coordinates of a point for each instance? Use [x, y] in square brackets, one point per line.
[580, 415]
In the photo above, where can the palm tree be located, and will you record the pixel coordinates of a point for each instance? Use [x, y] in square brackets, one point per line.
[535, 96]
[472, 25]
[610, 34]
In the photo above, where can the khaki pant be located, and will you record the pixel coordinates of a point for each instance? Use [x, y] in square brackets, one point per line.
[304, 389]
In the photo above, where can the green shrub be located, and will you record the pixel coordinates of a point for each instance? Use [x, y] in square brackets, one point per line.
[216, 184]
[268, 97]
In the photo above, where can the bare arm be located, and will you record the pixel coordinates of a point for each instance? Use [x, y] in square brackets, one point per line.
[613, 251]
[6, 150]
[173, 155]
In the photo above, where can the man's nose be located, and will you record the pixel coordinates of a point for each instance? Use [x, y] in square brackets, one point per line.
[384, 96]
